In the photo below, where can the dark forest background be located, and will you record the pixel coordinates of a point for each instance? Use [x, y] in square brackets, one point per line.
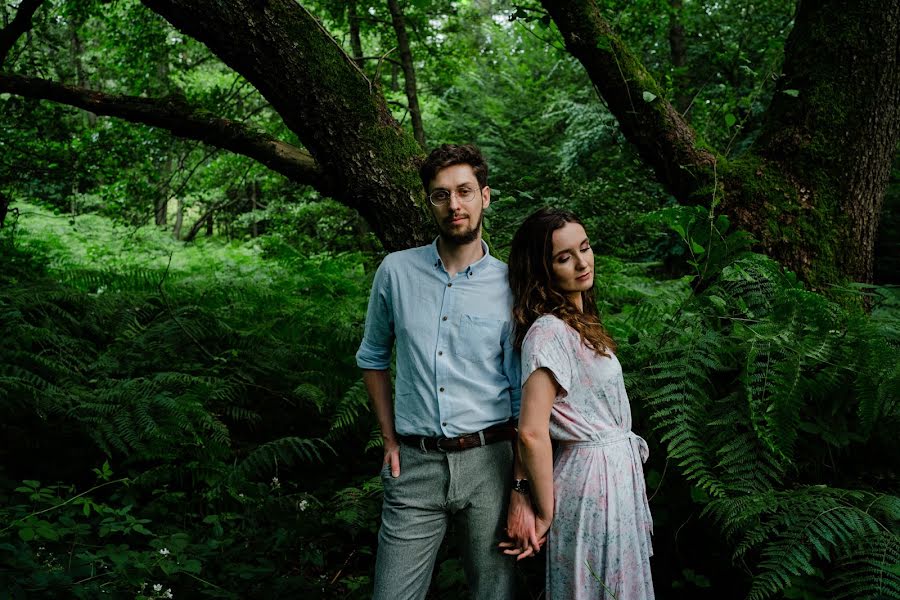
[194, 196]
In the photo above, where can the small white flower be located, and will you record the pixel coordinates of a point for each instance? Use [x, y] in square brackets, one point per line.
[303, 505]
[240, 495]
[164, 552]
[275, 483]
[169, 593]
[157, 587]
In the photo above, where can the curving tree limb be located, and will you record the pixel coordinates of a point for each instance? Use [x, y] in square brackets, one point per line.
[19, 25]
[173, 114]
[663, 137]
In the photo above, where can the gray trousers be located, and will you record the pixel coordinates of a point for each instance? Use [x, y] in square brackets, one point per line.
[471, 488]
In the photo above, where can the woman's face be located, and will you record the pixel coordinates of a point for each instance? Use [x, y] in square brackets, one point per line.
[572, 261]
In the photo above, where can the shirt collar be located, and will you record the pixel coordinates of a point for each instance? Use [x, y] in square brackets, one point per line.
[471, 269]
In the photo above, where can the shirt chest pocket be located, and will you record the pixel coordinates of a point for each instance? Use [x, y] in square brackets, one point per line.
[480, 338]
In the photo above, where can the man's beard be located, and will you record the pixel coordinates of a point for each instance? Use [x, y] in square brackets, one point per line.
[464, 237]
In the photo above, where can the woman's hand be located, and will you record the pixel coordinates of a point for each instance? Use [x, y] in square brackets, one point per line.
[529, 541]
[520, 520]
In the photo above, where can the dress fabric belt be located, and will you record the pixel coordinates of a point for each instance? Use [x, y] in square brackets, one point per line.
[611, 437]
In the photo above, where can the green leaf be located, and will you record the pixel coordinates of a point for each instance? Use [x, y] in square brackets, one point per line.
[730, 120]
[649, 96]
[192, 566]
[697, 248]
[791, 93]
[26, 533]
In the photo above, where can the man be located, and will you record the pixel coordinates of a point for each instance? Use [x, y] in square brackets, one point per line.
[447, 435]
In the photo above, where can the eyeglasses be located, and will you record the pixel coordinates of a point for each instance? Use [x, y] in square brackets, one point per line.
[442, 197]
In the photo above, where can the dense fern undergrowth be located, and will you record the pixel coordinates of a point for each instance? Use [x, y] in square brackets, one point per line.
[196, 426]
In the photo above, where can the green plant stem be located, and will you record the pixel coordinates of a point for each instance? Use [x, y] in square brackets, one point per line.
[61, 504]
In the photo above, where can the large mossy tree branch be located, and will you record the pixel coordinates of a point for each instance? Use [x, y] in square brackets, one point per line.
[324, 98]
[18, 26]
[811, 186]
[663, 138]
[173, 114]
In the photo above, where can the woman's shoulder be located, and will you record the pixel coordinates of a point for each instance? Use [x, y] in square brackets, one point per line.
[547, 325]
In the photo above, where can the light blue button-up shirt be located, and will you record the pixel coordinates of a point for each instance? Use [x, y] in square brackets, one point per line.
[457, 372]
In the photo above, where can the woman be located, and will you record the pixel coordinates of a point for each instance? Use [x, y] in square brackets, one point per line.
[593, 493]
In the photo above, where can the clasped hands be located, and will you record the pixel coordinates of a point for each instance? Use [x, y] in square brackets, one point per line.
[527, 531]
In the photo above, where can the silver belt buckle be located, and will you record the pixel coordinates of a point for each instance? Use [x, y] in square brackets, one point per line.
[422, 444]
[438, 444]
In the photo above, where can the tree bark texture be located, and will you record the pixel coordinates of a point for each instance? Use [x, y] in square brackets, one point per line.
[369, 162]
[831, 133]
[409, 71]
[810, 189]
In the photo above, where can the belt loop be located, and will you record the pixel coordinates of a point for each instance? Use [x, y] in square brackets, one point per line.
[422, 445]
[481, 437]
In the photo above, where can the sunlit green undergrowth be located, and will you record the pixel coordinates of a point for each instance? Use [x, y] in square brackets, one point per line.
[220, 389]
[93, 241]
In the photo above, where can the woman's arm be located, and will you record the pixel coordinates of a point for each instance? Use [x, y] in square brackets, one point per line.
[535, 451]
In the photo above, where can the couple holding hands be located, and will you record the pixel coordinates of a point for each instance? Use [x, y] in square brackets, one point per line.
[492, 364]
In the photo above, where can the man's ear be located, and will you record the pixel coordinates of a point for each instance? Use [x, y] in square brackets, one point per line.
[486, 196]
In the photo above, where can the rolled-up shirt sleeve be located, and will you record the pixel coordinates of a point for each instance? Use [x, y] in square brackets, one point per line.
[513, 369]
[378, 339]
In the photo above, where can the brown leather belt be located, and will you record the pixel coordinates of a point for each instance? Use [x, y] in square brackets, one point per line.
[496, 433]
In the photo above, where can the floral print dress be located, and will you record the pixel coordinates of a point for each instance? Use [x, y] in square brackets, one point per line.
[599, 543]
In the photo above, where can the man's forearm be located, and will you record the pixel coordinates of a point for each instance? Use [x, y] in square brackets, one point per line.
[378, 385]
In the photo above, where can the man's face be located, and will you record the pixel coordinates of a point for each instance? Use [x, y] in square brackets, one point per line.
[459, 221]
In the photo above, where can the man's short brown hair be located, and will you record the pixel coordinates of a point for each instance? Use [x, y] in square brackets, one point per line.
[448, 155]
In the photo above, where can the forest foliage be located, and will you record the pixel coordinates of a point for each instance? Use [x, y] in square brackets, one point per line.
[183, 413]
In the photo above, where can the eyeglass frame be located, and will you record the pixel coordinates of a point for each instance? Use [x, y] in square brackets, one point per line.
[450, 197]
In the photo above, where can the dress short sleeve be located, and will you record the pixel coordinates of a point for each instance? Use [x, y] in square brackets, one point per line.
[546, 346]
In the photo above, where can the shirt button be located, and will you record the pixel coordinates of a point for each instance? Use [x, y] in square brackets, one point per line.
[440, 353]
[449, 285]
[444, 423]
[444, 319]
[441, 390]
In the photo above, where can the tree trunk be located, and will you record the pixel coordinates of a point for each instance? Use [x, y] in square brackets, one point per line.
[80, 79]
[409, 71]
[355, 40]
[678, 52]
[161, 208]
[179, 219]
[254, 228]
[829, 139]
[325, 99]
[4, 208]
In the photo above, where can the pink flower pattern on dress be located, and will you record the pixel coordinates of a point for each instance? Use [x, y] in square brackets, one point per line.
[599, 545]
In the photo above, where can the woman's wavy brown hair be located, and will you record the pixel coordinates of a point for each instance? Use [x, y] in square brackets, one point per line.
[534, 288]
